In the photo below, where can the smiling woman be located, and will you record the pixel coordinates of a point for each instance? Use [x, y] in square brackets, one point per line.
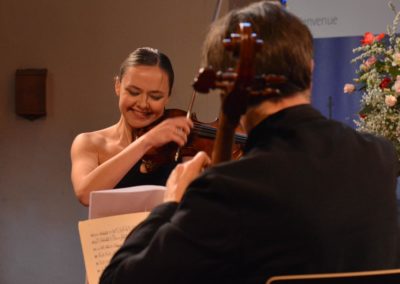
[143, 93]
[111, 157]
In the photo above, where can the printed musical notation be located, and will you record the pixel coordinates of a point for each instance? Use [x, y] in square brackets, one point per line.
[102, 237]
[106, 242]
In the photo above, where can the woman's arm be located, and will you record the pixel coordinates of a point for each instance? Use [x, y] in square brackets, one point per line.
[88, 174]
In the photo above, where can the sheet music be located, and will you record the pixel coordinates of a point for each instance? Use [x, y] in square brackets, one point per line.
[111, 202]
[102, 237]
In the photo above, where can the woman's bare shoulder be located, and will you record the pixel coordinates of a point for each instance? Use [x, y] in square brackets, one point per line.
[94, 139]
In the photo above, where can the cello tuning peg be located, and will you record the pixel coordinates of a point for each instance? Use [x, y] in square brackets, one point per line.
[233, 43]
[259, 44]
[228, 44]
[271, 91]
[265, 92]
[265, 85]
[228, 75]
[274, 79]
[205, 80]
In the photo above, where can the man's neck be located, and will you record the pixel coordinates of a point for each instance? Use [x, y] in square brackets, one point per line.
[254, 115]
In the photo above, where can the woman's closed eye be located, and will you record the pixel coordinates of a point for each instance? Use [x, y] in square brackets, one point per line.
[156, 96]
[133, 92]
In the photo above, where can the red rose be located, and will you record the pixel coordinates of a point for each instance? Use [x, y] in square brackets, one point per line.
[369, 38]
[380, 37]
[385, 83]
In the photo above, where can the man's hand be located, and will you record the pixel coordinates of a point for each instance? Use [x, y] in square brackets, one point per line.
[183, 174]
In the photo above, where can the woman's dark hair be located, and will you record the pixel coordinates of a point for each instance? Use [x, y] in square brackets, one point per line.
[148, 56]
[287, 48]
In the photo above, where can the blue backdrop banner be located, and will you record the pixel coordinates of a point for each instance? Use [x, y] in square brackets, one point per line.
[332, 70]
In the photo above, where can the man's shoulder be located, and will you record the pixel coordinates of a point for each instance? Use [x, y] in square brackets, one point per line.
[367, 136]
[374, 138]
[366, 144]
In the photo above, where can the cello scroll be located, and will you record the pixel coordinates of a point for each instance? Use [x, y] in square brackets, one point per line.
[237, 86]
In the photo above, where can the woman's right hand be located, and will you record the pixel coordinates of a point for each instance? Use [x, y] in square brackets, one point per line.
[170, 130]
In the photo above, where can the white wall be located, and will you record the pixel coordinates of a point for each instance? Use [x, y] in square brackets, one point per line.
[82, 44]
[341, 18]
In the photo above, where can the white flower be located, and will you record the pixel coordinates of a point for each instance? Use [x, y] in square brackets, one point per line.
[396, 59]
[396, 85]
[370, 61]
[363, 67]
[349, 88]
[390, 100]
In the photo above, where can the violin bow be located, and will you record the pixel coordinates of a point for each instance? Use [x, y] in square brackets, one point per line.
[215, 16]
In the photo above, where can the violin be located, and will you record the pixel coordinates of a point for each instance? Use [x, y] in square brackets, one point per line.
[201, 138]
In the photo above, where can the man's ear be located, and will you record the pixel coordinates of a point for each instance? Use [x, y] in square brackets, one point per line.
[117, 86]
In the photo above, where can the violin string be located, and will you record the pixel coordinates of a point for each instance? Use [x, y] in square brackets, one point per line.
[210, 132]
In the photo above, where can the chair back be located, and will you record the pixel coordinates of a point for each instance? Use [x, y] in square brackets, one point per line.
[390, 276]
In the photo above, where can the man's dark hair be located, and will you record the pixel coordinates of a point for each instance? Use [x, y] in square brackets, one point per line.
[287, 48]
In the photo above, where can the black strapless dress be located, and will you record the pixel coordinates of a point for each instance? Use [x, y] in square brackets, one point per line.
[157, 177]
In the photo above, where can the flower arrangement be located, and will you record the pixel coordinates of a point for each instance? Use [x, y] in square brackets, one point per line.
[379, 81]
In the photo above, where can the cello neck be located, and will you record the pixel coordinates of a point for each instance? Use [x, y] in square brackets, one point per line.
[224, 141]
